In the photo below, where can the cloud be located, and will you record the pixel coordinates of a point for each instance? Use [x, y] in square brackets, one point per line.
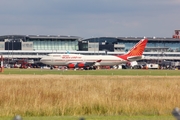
[90, 18]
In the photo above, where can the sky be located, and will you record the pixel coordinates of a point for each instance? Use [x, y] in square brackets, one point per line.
[90, 18]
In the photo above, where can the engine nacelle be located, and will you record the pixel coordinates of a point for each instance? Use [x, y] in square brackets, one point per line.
[71, 65]
[81, 65]
[78, 65]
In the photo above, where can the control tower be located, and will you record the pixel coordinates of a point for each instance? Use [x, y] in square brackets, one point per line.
[176, 35]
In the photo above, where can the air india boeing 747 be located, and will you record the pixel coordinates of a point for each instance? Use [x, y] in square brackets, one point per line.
[91, 61]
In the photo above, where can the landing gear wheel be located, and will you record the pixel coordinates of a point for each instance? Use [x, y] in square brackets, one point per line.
[51, 68]
[94, 68]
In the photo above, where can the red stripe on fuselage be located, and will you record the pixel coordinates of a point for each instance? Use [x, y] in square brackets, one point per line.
[89, 60]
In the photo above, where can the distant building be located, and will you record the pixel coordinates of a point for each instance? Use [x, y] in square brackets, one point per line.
[123, 44]
[37, 46]
[38, 42]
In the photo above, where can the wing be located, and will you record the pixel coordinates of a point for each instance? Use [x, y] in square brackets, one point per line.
[82, 64]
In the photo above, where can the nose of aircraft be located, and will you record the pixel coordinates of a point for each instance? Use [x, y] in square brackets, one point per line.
[46, 60]
[42, 60]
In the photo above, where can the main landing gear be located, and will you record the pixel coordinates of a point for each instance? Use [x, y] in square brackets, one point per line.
[90, 68]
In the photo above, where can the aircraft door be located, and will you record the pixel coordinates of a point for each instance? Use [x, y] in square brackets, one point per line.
[84, 59]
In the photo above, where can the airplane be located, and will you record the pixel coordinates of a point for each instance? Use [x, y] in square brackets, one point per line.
[92, 61]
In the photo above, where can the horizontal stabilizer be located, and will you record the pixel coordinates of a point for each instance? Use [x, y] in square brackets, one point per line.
[134, 58]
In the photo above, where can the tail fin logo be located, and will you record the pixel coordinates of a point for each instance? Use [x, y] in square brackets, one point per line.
[138, 49]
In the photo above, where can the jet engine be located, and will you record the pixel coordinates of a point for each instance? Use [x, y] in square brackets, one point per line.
[71, 65]
[81, 65]
[78, 65]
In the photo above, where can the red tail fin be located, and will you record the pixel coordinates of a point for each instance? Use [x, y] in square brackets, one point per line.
[135, 52]
[138, 49]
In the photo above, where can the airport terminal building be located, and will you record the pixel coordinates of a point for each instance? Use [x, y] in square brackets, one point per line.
[37, 46]
[38, 42]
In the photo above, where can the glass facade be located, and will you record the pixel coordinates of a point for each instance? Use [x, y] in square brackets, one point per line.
[44, 42]
[129, 45]
[165, 46]
[153, 45]
[47, 44]
[74, 43]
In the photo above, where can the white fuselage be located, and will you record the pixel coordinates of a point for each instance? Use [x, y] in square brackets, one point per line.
[65, 59]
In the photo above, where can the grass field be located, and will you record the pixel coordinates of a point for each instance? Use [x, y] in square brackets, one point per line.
[97, 95]
[126, 72]
[95, 118]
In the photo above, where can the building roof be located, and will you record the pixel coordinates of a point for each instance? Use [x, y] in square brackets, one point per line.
[39, 37]
[100, 39]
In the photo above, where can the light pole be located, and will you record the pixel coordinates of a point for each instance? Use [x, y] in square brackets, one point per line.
[12, 48]
[94, 46]
[98, 45]
[8, 54]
